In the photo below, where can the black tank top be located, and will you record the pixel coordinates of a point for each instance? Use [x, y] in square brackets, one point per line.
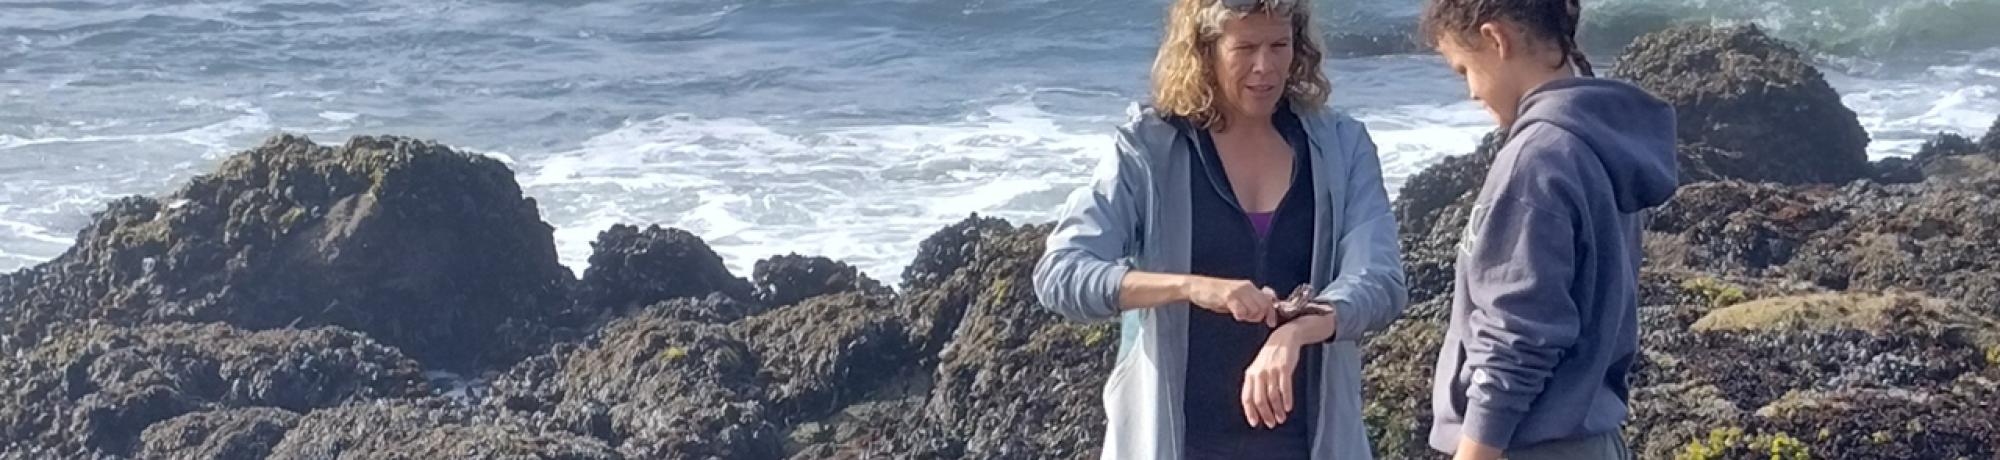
[1220, 348]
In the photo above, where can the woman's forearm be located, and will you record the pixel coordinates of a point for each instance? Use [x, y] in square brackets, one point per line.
[1307, 330]
[1147, 289]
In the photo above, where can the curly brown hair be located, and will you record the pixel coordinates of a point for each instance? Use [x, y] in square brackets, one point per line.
[1184, 75]
[1552, 20]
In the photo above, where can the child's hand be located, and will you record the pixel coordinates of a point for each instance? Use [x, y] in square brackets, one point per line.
[1469, 449]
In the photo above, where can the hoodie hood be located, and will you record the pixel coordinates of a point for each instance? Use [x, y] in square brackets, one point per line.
[1631, 131]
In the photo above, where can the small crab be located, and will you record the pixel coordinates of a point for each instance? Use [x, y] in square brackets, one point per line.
[1300, 304]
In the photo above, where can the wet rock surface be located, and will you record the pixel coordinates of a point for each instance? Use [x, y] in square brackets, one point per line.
[827, 351]
[430, 428]
[652, 386]
[228, 433]
[95, 390]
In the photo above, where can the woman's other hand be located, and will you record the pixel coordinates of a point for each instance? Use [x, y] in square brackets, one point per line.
[1267, 384]
[1238, 298]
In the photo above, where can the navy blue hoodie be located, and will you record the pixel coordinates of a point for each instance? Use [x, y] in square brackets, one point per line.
[1544, 319]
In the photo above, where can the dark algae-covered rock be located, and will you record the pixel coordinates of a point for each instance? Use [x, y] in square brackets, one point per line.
[428, 428]
[632, 267]
[96, 389]
[652, 386]
[228, 433]
[419, 246]
[1736, 89]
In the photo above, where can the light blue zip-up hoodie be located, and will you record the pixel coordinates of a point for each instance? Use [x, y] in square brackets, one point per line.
[1134, 215]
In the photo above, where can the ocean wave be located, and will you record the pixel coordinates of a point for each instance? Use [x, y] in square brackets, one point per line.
[1837, 27]
[217, 137]
[1844, 27]
[866, 194]
[39, 220]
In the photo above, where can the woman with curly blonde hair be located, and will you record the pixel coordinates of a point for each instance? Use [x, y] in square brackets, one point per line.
[1235, 184]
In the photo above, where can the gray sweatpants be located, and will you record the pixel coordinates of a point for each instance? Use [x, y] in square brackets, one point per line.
[1607, 446]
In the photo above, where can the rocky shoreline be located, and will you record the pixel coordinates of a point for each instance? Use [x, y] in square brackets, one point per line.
[1798, 300]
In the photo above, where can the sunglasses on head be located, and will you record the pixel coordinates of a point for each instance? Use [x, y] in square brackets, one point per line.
[1246, 5]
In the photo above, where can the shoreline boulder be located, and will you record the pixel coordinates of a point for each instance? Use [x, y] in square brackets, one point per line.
[421, 247]
[632, 267]
[790, 278]
[1736, 89]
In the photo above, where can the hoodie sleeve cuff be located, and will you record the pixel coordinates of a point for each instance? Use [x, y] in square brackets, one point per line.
[1110, 282]
[1492, 427]
[1347, 323]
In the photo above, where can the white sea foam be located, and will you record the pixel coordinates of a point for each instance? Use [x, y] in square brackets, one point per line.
[339, 117]
[215, 138]
[1899, 117]
[865, 194]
